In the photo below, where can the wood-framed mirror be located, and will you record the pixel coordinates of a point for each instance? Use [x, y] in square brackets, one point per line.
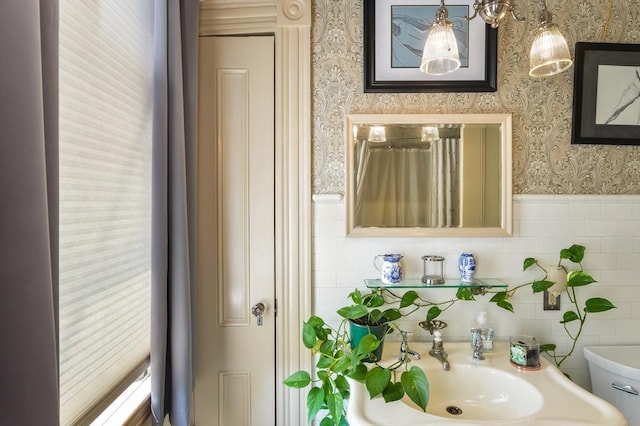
[428, 175]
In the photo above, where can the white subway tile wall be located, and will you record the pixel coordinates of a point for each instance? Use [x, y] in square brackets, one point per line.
[607, 225]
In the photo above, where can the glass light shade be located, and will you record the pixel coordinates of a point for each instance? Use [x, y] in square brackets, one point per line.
[377, 134]
[549, 52]
[430, 133]
[440, 54]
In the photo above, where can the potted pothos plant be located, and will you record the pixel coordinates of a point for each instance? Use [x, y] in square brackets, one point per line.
[340, 356]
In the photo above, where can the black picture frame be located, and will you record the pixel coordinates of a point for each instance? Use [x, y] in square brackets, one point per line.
[606, 77]
[484, 69]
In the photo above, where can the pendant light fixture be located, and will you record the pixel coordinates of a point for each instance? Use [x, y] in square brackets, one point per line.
[440, 54]
[377, 134]
[549, 52]
[430, 133]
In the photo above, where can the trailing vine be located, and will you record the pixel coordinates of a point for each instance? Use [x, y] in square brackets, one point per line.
[573, 320]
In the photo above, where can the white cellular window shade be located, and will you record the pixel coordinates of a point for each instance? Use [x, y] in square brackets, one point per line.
[106, 71]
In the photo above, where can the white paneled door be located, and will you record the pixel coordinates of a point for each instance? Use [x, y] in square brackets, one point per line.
[235, 319]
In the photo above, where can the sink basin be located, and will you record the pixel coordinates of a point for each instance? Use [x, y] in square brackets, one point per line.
[490, 392]
[479, 392]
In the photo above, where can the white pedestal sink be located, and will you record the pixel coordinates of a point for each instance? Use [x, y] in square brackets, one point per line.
[480, 392]
[490, 392]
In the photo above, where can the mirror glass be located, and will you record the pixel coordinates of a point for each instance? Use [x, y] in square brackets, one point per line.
[416, 175]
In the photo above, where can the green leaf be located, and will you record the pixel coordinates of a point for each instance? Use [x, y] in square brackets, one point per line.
[335, 403]
[464, 293]
[375, 316]
[529, 261]
[368, 344]
[327, 347]
[502, 300]
[575, 253]
[315, 401]
[542, 285]
[356, 297]
[327, 388]
[343, 386]
[342, 364]
[391, 314]
[373, 300]
[501, 295]
[505, 304]
[569, 316]
[393, 392]
[326, 333]
[324, 361]
[359, 372]
[298, 380]
[408, 298]
[315, 321]
[416, 386]
[328, 420]
[579, 278]
[433, 313]
[355, 359]
[598, 304]
[377, 380]
[322, 333]
[343, 422]
[308, 335]
[322, 374]
[353, 312]
[547, 347]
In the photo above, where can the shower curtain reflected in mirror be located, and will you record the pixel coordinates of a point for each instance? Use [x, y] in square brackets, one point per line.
[395, 184]
[445, 194]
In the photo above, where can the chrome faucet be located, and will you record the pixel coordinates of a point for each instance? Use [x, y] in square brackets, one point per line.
[404, 347]
[437, 350]
[476, 338]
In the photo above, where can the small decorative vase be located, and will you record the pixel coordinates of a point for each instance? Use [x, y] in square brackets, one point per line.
[466, 267]
[390, 269]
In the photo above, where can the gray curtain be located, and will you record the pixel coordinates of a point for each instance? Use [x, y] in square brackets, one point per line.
[393, 187]
[173, 228]
[28, 212]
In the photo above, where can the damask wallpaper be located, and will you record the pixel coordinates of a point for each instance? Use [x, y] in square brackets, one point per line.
[544, 161]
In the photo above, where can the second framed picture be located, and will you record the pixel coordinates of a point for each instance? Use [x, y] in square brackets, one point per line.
[606, 94]
[395, 32]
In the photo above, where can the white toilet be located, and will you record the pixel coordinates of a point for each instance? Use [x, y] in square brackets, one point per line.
[615, 377]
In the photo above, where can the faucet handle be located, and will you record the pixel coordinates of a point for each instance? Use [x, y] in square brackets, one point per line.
[437, 341]
[432, 325]
[404, 347]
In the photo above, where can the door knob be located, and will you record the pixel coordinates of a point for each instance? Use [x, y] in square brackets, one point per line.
[258, 311]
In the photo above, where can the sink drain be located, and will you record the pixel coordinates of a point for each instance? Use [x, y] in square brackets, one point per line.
[452, 409]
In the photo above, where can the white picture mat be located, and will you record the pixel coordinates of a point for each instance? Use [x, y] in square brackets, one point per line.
[383, 70]
[613, 80]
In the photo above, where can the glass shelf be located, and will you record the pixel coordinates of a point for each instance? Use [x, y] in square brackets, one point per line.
[448, 283]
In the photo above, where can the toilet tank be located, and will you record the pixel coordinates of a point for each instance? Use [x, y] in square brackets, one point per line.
[615, 377]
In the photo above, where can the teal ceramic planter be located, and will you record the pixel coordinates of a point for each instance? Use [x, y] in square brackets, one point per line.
[357, 332]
